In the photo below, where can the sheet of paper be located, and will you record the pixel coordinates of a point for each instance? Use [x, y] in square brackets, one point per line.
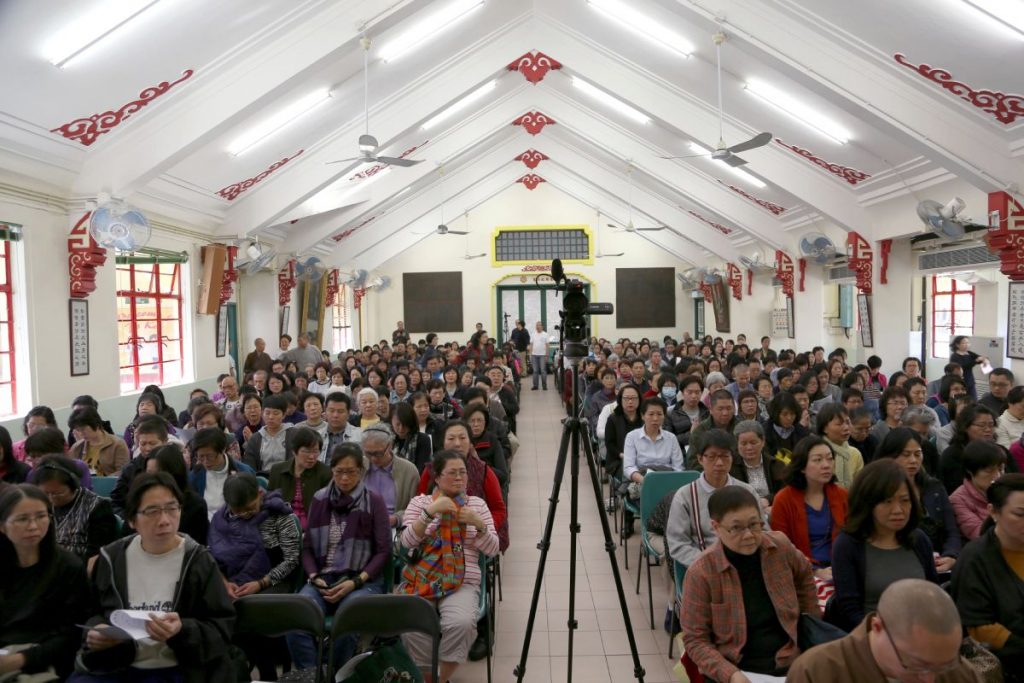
[763, 678]
[986, 367]
[131, 621]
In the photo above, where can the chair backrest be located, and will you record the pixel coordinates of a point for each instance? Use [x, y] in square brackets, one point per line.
[103, 486]
[386, 615]
[657, 485]
[274, 615]
[263, 482]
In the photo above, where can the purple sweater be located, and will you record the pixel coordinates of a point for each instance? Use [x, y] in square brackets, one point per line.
[373, 527]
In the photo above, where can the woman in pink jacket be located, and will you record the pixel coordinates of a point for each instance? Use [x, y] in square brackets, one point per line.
[983, 462]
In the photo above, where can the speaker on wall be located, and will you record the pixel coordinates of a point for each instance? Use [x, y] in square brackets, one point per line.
[215, 258]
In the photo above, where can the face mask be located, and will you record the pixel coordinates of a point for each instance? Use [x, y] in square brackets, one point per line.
[668, 393]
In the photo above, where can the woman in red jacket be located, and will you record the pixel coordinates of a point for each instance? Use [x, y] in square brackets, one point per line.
[811, 510]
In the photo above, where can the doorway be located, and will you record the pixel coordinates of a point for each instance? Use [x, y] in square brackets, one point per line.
[528, 303]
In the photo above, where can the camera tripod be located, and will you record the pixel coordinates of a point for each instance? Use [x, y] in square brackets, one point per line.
[574, 433]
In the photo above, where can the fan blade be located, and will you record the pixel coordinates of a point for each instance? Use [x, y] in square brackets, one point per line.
[688, 156]
[345, 161]
[396, 161]
[660, 227]
[470, 257]
[619, 253]
[759, 140]
[456, 232]
[734, 160]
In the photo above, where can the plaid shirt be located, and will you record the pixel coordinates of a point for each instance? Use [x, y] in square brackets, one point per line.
[712, 616]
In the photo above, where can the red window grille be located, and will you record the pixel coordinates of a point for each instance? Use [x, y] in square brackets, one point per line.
[952, 312]
[8, 373]
[149, 324]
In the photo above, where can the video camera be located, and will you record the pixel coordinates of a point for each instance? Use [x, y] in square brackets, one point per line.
[575, 306]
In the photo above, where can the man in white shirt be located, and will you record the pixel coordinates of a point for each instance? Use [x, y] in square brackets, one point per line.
[1010, 424]
[539, 356]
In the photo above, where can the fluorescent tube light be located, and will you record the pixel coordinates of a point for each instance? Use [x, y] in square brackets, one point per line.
[426, 28]
[461, 104]
[798, 110]
[276, 122]
[644, 25]
[610, 101]
[738, 172]
[88, 30]
[1009, 13]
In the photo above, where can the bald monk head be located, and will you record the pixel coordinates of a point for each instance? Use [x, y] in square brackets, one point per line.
[916, 631]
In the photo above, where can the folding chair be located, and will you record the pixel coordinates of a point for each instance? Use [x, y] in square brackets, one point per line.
[656, 486]
[276, 615]
[386, 616]
[678, 572]
[103, 486]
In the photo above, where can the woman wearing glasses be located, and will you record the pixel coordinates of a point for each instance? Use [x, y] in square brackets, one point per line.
[171, 577]
[43, 593]
[744, 595]
[973, 423]
[346, 550]
[447, 531]
[83, 521]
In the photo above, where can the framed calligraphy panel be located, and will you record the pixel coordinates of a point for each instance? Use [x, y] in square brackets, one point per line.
[78, 318]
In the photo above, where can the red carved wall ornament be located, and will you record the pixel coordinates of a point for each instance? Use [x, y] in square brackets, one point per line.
[784, 272]
[533, 122]
[342, 235]
[705, 289]
[333, 287]
[534, 66]
[750, 282]
[850, 175]
[884, 247]
[717, 226]
[532, 158]
[860, 258]
[763, 203]
[531, 180]
[357, 297]
[735, 279]
[231, 192]
[84, 257]
[286, 283]
[802, 264]
[1006, 238]
[227, 286]
[87, 130]
[1004, 107]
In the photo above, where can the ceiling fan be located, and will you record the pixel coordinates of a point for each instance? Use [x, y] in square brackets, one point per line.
[468, 256]
[599, 254]
[723, 152]
[442, 228]
[368, 144]
[629, 227]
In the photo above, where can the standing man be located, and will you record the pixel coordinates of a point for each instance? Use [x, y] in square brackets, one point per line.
[400, 335]
[520, 338]
[304, 354]
[539, 356]
[258, 359]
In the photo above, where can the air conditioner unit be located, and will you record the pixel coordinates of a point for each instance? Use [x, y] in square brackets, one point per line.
[831, 298]
[841, 273]
[959, 258]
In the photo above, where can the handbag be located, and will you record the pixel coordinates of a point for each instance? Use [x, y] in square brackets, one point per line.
[811, 631]
[982, 661]
[388, 662]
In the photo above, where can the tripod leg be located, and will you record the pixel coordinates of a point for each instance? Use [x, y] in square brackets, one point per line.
[543, 546]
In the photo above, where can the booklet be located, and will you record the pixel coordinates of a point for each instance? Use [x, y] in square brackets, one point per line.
[126, 624]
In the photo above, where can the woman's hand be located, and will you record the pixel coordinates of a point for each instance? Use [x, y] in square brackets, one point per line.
[9, 663]
[162, 626]
[441, 505]
[944, 564]
[248, 588]
[333, 595]
[637, 477]
[825, 573]
[468, 516]
[95, 640]
[246, 433]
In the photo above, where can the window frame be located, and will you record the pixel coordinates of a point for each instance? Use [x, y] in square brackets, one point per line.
[341, 334]
[7, 296]
[155, 292]
[938, 295]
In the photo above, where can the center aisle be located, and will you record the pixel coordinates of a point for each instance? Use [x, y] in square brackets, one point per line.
[601, 649]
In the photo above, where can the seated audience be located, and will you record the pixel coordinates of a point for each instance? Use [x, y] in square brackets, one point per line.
[366, 401]
[722, 417]
[813, 508]
[150, 434]
[393, 479]
[861, 437]
[914, 636]
[688, 410]
[270, 445]
[743, 597]
[783, 431]
[212, 467]
[984, 462]
[650, 447]
[1010, 425]
[891, 406]
[485, 441]
[50, 441]
[83, 521]
[104, 453]
[346, 549]
[167, 574]
[988, 581]
[938, 519]
[833, 424]
[450, 528]
[923, 422]
[252, 418]
[410, 444]
[43, 595]
[12, 470]
[193, 519]
[756, 466]
[301, 476]
[881, 542]
[688, 531]
[624, 418]
[37, 418]
[1000, 381]
[973, 423]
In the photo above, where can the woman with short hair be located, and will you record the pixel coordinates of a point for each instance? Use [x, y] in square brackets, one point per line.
[974, 422]
[984, 462]
[83, 521]
[39, 417]
[756, 466]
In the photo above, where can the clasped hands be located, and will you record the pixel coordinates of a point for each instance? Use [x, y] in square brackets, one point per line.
[467, 516]
[161, 627]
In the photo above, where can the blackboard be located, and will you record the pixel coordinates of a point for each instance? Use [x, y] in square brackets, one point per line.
[432, 301]
[645, 297]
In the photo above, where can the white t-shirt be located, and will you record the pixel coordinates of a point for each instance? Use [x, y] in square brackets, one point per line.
[539, 343]
[214, 493]
[151, 583]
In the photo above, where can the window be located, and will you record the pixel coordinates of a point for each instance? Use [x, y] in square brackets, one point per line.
[515, 246]
[952, 312]
[149, 321]
[8, 374]
[341, 326]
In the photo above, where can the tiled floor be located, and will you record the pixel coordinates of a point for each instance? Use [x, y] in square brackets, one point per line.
[601, 649]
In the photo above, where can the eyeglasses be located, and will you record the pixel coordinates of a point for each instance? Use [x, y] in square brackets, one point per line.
[154, 511]
[984, 425]
[918, 670]
[754, 528]
[24, 521]
[456, 474]
[716, 458]
[345, 472]
[309, 452]
[375, 454]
